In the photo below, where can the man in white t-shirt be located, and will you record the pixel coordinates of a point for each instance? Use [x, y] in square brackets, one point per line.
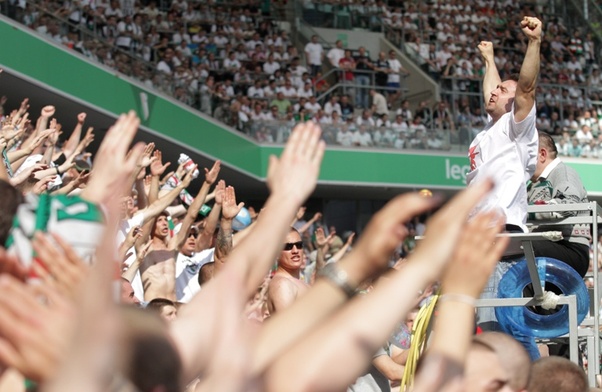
[314, 54]
[506, 151]
[507, 148]
[188, 265]
[336, 54]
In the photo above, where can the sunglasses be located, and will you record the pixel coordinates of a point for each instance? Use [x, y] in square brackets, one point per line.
[289, 245]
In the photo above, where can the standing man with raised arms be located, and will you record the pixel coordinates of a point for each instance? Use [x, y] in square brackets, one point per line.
[506, 150]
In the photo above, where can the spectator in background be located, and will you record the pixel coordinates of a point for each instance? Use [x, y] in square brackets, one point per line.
[363, 77]
[379, 103]
[394, 77]
[347, 66]
[336, 54]
[314, 55]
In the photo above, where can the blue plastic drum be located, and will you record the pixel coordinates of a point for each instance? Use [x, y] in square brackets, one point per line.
[524, 319]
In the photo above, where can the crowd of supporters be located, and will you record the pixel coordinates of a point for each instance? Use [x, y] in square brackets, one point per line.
[233, 61]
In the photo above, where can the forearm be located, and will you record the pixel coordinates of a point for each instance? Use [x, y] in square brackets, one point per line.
[223, 244]
[14, 156]
[241, 235]
[195, 207]
[306, 226]
[161, 204]
[321, 257]
[453, 329]
[65, 189]
[47, 158]
[73, 140]
[360, 329]
[491, 79]
[204, 240]
[130, 273]
[142, 196]
[527, 79]
[339, 255]
[153, 193]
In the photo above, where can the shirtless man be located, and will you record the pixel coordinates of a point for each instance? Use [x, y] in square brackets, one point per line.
[286, 286]
[158, 269]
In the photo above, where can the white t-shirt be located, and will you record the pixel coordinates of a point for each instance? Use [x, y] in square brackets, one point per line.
[362, 139]
[506, 151]
[314, 52]
[334, 55]
[395, 66]
[187, 273]
[270, 68]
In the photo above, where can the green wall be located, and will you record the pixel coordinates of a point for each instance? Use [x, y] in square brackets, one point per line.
[66, 71]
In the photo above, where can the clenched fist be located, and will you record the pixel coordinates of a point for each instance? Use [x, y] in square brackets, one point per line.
[531, 27]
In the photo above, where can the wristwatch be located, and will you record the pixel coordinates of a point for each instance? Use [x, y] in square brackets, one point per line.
[338, 277]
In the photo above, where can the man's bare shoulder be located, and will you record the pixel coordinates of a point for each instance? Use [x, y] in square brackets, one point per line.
[281, 281]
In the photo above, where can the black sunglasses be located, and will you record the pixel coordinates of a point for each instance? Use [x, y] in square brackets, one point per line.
[289, 245]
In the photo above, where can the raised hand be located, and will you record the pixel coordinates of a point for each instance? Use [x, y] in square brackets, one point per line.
[132, 237]
[211, 175]
[89, 138]
[27, 174]
[24, 106]
[47, 111]
[60, 267]
[81, 117]
[476, 254]
[350, 238]
[145, 159]
[486, 49]
[229, 207]
[157, 168]
[445, 227]
[386, 230]
[42, 185]
[188, 177]
[112, 169]
[220, 189]
[532, 27]
[321, 239]
[295, 173]
[34, 333]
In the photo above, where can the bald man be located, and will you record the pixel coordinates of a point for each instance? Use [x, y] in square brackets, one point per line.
[557, 374]
[512, 356]
[496, 362]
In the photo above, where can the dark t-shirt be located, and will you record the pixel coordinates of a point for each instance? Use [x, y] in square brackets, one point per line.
[381, 77]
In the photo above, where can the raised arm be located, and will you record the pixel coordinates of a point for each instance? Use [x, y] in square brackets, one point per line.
[195, 207]
[291, 179]
[492, 77]
[342, 346]
[73, 140]
[529, 72]
[206, 235]
[223, 244]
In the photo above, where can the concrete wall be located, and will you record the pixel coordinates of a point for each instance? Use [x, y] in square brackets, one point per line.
[352, 39]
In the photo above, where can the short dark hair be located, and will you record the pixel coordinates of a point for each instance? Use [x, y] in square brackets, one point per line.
[548, 143]
[159, 303]
[557, 374]
[513, 76]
